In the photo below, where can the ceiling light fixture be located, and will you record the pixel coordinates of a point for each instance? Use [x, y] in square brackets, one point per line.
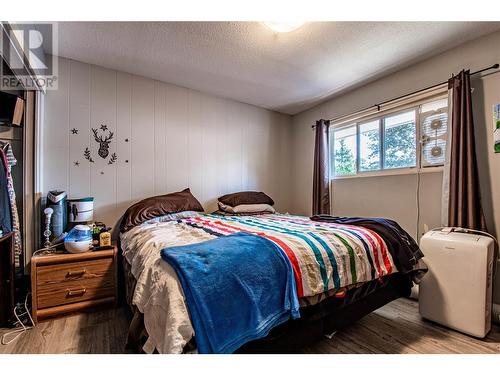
[284, 26]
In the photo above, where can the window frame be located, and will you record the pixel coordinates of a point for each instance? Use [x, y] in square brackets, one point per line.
[381, 115]
[332, 147]
[417, 137]
[380, 147]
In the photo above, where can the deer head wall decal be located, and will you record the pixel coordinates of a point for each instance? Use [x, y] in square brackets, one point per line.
[103, 143]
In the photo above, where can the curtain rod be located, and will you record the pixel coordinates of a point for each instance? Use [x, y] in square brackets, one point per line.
[494, 66]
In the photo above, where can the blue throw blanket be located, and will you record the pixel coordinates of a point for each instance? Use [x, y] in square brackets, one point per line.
[237, 288]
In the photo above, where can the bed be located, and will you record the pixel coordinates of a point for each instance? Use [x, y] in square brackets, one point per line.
[361, 268]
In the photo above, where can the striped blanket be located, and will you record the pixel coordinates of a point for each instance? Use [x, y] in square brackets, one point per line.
[324, 256]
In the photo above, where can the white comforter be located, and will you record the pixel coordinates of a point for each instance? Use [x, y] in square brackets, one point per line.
[158, 293]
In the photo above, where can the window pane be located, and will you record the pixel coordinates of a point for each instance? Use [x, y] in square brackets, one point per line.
[399, 141]
[369, 146]
[344, 151]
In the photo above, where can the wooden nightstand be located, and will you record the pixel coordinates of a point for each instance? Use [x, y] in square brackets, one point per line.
[66, 283]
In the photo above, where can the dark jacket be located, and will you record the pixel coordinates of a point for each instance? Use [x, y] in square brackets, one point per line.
[5, 212]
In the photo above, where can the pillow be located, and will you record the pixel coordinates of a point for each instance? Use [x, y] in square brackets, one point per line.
[247, 208]
[246, 197]
[160, 205]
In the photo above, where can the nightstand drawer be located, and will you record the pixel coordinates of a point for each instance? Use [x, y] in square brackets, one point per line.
[74, 271]
[65, 292]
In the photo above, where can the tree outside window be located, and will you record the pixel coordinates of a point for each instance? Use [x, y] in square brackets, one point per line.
[397, 133]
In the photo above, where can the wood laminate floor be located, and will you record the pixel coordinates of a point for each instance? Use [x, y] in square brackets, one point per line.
[394, 329]
[102, 331]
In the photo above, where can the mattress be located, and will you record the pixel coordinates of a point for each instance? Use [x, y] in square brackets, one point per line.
[158, 295]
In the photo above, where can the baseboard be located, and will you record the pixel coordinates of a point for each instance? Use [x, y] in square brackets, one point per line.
[495, 313]
[414, 292]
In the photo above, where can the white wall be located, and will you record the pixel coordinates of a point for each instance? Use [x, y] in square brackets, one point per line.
[395, 195]
[392, 197]
[177, 138]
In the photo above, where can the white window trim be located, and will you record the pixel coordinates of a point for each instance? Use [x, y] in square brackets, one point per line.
[391, 172]
[393, 107]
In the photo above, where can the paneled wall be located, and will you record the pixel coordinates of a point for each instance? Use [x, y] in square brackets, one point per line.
[165, 138]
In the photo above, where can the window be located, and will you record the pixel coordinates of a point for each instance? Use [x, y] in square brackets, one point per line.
[369, 146]
[344, 151]
[390, 141]
[400, 141]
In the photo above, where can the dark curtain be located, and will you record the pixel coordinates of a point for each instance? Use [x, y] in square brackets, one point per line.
[464, 208]
[321, 183]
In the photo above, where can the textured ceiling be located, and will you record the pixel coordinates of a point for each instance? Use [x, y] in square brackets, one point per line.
[246, 61]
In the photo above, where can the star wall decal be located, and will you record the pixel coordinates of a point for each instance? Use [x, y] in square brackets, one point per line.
[104, 127]
[74, 131]
[77, 163]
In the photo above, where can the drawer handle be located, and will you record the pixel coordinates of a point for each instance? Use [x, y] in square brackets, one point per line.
[76, 273]
[76, 292]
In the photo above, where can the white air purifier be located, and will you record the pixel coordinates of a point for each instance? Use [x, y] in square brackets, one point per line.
[457, 290]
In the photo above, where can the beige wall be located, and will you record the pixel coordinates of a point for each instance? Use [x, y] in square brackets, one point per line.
[486, 93]
[392, 197]
[177, 138]
[395, 195]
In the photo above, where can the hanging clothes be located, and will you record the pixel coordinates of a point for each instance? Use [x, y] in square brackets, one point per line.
[16, 227]
[5, 208]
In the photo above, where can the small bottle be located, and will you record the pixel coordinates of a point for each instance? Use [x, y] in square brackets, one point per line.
[95, 235]
[105, 239]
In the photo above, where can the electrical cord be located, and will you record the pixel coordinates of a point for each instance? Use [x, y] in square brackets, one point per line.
[45, 251]
[465, 230]
[19, 331]
[418, 204]
[496, 249]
